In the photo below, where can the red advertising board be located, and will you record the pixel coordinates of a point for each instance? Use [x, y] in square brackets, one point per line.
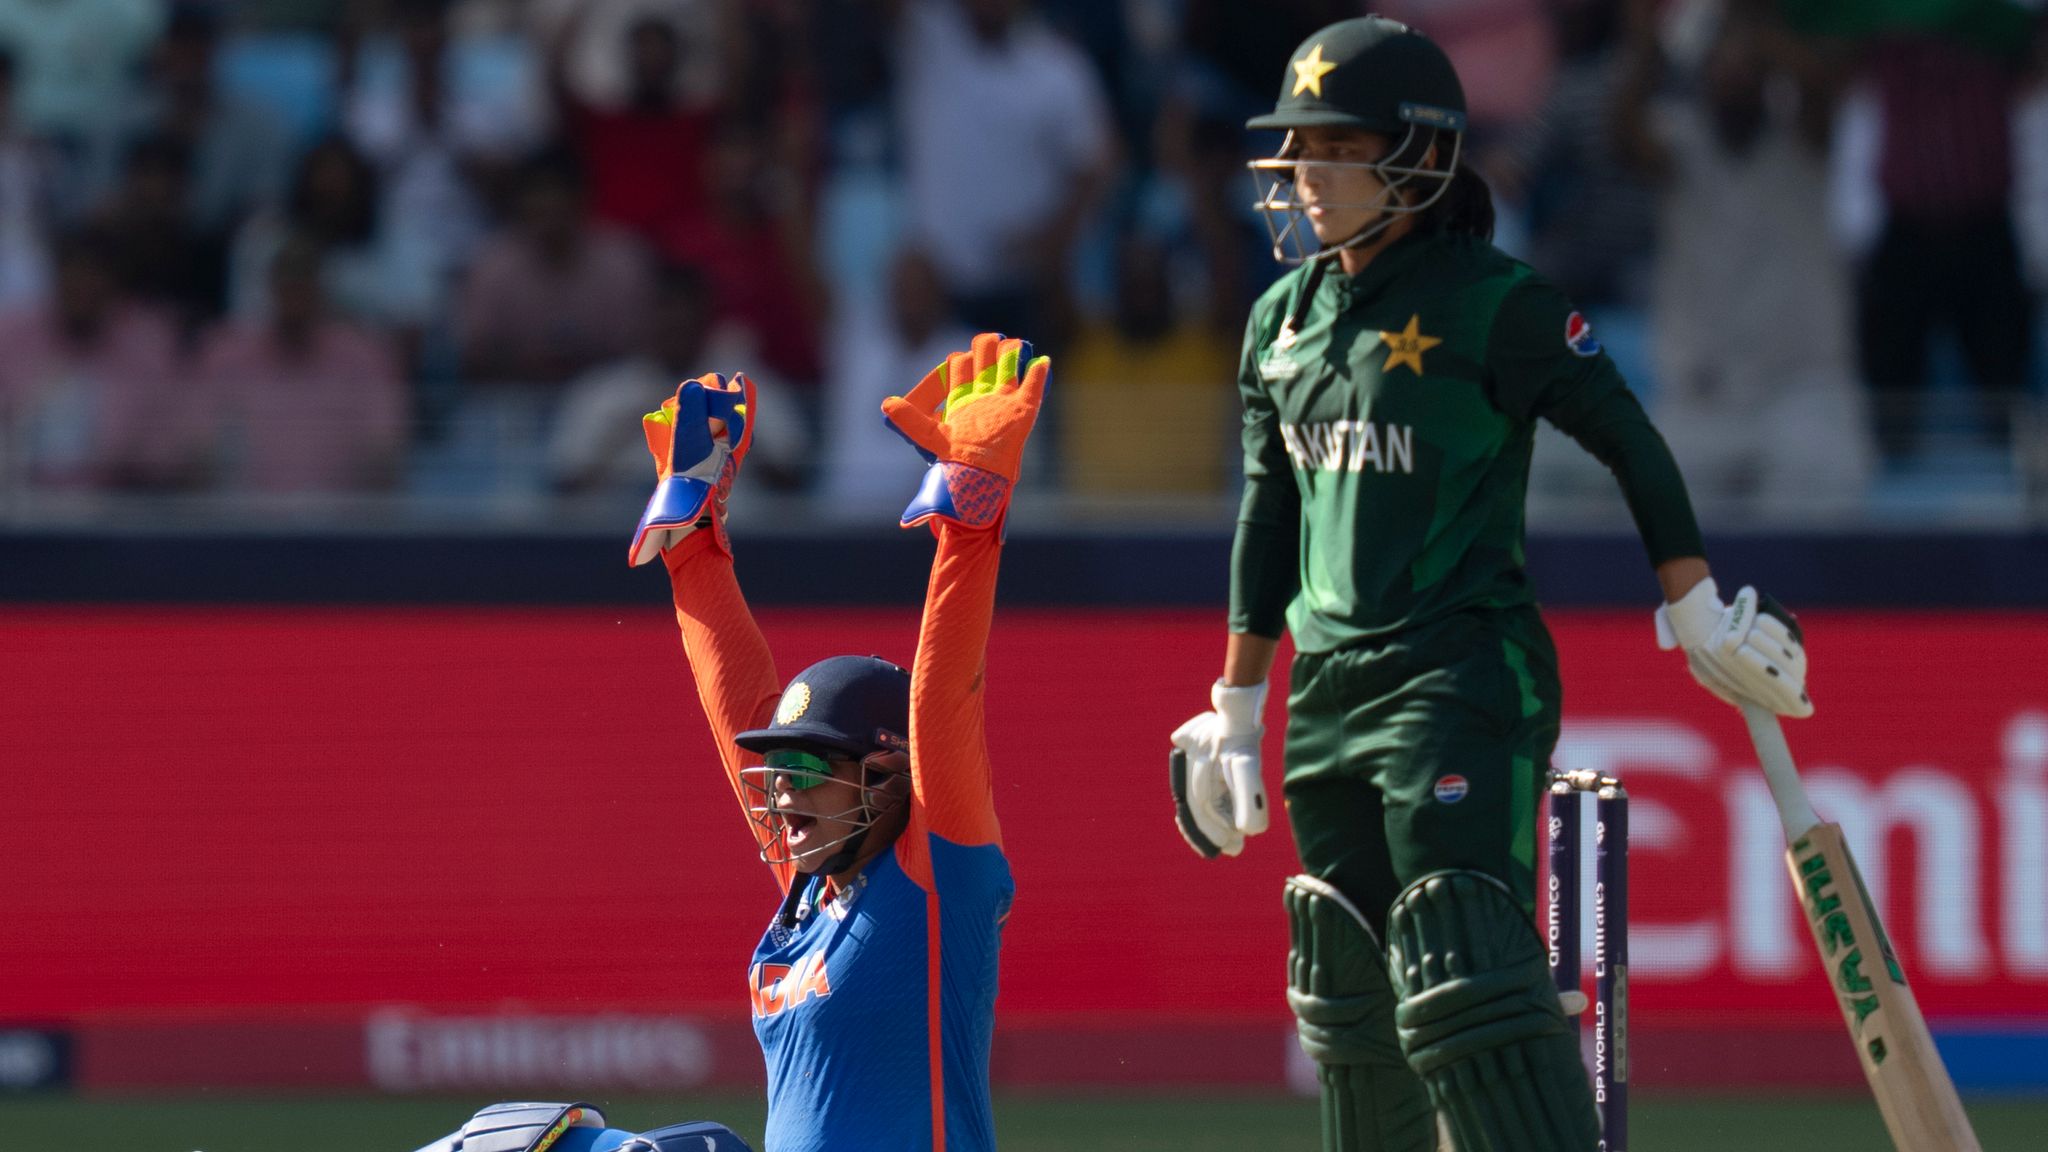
[227, 813]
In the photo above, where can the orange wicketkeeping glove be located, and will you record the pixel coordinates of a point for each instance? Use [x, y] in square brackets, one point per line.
[694, 462]
[969, 418]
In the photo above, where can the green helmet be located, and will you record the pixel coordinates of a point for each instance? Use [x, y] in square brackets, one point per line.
[1371, 73]
[1375, 75]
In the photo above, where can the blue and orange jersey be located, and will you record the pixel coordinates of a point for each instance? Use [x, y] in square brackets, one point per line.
[876, 1009]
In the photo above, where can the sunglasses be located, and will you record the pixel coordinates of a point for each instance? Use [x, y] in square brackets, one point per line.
[798, 768]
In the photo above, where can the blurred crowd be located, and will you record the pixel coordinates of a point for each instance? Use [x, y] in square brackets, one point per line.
[446, 247]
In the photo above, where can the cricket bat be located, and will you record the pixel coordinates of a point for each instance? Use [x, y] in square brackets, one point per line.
[1892, 1042]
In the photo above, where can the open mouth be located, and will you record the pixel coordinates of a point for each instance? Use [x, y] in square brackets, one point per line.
[796, 827]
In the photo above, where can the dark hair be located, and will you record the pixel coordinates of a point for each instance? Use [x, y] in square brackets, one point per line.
[1465, 208]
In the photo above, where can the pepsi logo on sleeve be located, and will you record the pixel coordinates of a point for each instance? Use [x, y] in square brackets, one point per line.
[1578, 336]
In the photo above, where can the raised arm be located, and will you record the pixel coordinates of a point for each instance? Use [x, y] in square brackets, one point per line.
[969, 418]
[699, 437]
[728, 656]
[949, 764]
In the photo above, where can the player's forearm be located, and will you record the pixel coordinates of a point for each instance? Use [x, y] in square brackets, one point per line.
[1248, 658]
[1680, 575]
[952, 640]
[1615, 430]
[949, 760]
[1657, 499]
[1265, 573]
[729, 658]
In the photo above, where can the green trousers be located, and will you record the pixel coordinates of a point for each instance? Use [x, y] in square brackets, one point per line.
[1424, 752]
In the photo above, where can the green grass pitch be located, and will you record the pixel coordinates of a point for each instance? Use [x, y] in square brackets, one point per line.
[1024, 1123]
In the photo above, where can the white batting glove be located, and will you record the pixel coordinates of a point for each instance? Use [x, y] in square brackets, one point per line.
[1219, 796]
[1749, 651]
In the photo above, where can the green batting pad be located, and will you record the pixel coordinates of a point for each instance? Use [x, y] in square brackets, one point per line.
[1479, 1018]
[1344, 1008]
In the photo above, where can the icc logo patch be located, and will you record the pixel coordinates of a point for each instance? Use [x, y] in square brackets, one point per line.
[1451, 789]
[1578, 336]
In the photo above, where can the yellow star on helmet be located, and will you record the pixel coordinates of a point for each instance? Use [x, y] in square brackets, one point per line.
[1309, 72]
[1407, 347]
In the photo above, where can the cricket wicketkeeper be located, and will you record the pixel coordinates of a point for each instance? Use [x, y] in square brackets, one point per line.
[1391, 387]
[867, 784]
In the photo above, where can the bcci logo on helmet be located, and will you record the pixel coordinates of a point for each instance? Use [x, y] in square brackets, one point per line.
[794, 703]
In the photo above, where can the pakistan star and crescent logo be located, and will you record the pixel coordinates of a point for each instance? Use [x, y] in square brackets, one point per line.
[1408, 345]
[1309, 72]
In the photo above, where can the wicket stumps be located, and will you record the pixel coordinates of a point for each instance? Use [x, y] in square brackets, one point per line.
[1610, 933]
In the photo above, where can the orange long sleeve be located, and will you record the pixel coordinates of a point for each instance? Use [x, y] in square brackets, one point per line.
[949, 761]
[735, 673]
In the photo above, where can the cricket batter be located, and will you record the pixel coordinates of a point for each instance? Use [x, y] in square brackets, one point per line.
[1391, 386]
[868, 787]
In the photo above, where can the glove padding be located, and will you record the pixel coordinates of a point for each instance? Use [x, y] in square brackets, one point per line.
[969, 418]
[1749, 651]
[695, 462]
[1219, 797]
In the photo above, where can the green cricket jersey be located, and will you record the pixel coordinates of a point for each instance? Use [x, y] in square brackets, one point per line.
[1388, 423]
